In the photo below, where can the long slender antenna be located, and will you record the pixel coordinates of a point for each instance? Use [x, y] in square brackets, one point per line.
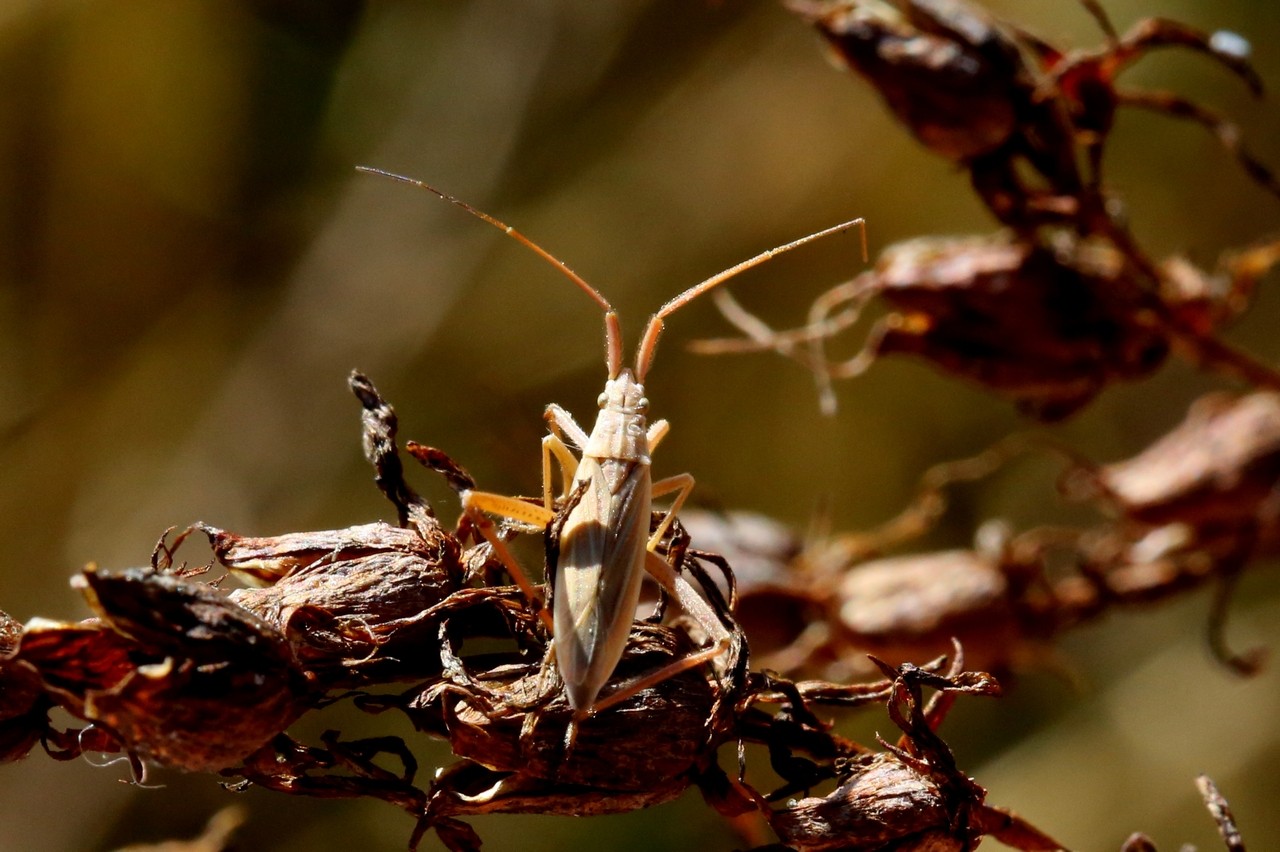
[501, 226]
[612, 331]
[649, 343]
[613, 335]
[720, 277]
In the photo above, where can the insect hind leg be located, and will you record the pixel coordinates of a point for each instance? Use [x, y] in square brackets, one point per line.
[693, 604]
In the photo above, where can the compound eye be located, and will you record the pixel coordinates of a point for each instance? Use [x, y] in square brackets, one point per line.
[601, 400]
[643, 404]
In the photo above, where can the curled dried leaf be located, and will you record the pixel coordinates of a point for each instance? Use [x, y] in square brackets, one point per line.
[355, 604]
[1220, 466]
[168, 670]
[23, 704]
[910, 796]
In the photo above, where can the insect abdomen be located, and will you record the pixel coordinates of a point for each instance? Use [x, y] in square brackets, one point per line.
[600, 567]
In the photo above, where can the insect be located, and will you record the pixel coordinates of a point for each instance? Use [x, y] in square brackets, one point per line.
[601, 538]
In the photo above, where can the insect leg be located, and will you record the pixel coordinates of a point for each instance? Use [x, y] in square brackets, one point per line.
[667, 672]
[553, 445]
[477, 503]
[692, 603]
[562, 424]
[658, 430]
[682, 484]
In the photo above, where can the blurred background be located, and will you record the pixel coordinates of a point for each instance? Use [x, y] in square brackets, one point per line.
[190, 267]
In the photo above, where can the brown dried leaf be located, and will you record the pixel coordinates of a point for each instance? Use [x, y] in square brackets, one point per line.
[174, 671]
[355, 604]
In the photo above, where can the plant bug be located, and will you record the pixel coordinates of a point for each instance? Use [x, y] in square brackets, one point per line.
[601, 535]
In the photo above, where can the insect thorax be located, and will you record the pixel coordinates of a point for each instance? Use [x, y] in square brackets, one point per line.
[620, 427]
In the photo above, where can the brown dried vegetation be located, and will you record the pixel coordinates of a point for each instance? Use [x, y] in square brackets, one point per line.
[1045, 313]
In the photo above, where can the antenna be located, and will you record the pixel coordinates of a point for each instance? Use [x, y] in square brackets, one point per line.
[649, 343]
[612, 331]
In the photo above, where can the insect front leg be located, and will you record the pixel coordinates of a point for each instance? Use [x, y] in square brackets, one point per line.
[552, 445]
[562, 425]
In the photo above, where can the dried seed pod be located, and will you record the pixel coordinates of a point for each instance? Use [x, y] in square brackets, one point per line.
[1047, 321]
[967, 87]
[524, 751]
[23, 704]
[1046, 325]
[1046, 328]
[1218, 468]
[1198, 504]
[1017, 111]
[909, 607]
[170, 614]
[356, 604]
[912, 796]
[616, 749]
[1007, 597]
[168, 670]
[947, 70]
[268, 559]
[881, 804]
[823, 607]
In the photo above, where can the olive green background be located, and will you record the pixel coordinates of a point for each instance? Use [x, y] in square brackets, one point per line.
[190, 267]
